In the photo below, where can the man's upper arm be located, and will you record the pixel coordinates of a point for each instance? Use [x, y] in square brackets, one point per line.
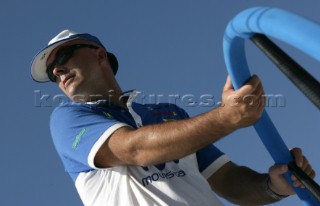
[78, 132]
[114, 149]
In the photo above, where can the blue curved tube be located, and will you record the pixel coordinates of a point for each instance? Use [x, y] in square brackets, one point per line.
[284, 26]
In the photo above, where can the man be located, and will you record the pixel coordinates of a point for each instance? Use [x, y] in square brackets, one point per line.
[119, 152]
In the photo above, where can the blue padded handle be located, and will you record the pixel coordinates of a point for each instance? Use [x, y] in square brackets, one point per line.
[284, 26]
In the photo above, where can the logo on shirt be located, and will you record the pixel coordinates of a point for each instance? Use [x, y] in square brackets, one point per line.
[167, 120]
[78, 138]
[108, 115]
[166, 116]
[161, 175]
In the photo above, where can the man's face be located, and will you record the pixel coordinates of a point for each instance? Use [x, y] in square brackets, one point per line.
[79, 69]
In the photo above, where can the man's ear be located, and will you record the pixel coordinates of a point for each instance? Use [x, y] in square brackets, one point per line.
[102, 55]
[103, 60]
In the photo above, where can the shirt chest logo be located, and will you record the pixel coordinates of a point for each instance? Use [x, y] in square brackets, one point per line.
[162, 174]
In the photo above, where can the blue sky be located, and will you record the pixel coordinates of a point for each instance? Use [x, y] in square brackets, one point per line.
[164, 48]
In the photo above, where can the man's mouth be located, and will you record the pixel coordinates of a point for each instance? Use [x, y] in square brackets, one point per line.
[67, 80]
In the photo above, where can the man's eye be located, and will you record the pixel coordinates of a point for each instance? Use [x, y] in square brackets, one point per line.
[62, 59]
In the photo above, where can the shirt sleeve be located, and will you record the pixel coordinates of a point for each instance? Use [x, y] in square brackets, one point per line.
[78, 131]
[210, 159]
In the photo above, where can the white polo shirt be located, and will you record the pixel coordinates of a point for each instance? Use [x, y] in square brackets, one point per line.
[78, 131]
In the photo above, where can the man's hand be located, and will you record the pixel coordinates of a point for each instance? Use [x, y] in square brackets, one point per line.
[278, 184]
[243, 107]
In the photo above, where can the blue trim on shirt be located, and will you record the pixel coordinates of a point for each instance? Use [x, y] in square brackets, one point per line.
[207, 156]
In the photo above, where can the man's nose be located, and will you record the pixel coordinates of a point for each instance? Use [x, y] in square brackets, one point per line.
[60, 70]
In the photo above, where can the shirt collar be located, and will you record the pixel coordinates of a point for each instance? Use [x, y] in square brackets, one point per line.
[130, 95]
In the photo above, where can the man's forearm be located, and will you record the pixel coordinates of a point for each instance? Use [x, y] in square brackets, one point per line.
[173, 140]
[176, 139]
[243, 186]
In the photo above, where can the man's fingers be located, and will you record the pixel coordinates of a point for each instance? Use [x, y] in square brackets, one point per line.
[250, 93]
[250, 87]
[302, 162]
[243, 107]
[228, 84]
[298, 156]
[277, 170]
